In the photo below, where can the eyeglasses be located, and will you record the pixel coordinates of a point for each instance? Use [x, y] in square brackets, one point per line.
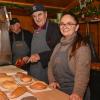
[67, 24]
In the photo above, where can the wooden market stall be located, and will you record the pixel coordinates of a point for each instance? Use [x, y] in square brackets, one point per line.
[88, 12]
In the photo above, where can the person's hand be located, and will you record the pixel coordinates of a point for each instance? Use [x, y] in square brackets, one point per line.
[25, 59]
[20, 62]
[34, 58]
[54, 85]
[75, 96]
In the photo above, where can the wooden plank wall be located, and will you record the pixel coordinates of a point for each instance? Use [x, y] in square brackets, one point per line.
[26, 22]
[94, 30]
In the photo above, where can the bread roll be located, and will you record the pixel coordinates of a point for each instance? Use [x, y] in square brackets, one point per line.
[20, 74]
[3, 74]
[26, 79]
[18, 92]
[6, 78]
[9, 85]
[38, 85]
[3, 96]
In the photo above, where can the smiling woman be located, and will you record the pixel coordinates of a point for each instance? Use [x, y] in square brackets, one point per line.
[68, 26]
[68, 69]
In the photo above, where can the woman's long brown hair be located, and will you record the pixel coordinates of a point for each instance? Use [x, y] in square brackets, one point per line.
[79, 41]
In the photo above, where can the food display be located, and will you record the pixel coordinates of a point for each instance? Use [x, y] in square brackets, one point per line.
[19, 86]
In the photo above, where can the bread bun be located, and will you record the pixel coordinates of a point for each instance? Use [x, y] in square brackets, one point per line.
[3, 74]
[26, 78]
[18, 92]
[6, 78]
[20, 74]
[9, 85]
[38, 85]
[3, 96]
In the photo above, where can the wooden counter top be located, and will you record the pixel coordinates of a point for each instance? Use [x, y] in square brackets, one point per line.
[51, 95]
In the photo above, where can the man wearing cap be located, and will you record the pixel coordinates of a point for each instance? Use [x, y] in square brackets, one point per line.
[20, 41]
[45, 37]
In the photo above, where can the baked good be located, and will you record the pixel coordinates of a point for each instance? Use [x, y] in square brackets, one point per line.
[3, 74]
[26, 79]
[29, 98]
[3, 96]
[38, 85]
[6, 78]
[18, 92]
[20, 74]
[9, 85]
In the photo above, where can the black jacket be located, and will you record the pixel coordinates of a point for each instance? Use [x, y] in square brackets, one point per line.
[52, 38]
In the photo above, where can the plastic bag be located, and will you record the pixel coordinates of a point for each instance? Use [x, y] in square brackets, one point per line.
[5, 48]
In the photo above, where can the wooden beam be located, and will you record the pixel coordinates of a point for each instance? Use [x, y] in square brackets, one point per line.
[18, 3]
[19, 12]
[96, 3]
[28, 4]
[71, 5]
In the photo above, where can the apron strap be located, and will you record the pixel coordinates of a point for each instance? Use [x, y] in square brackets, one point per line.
[22, 35]
[47, 25]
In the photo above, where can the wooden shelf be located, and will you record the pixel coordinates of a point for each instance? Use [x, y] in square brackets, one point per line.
[95, 66]
[90, 21]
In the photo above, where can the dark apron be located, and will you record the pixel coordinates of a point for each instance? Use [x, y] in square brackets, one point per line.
[39, 45]
[19, 49]
[63, 73]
